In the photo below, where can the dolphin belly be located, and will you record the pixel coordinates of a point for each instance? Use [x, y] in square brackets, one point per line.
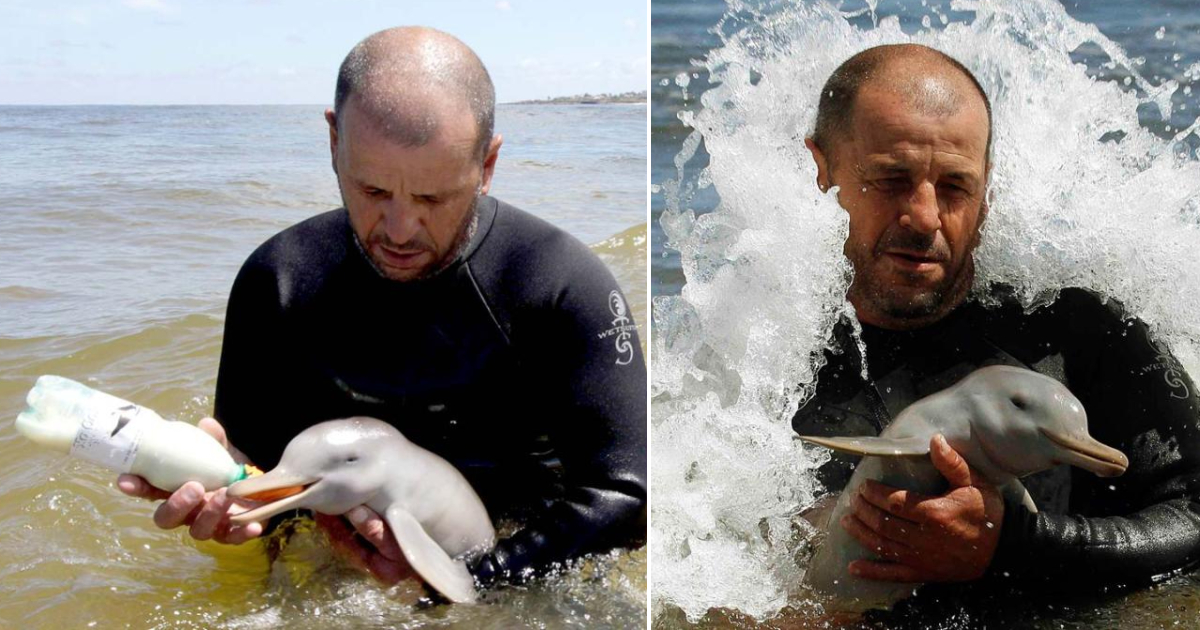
[826, 574]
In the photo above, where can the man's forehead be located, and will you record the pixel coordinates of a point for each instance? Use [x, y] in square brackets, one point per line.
[450, 129]
[886, 124]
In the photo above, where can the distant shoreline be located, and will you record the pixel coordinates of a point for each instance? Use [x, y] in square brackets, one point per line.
[589, 99]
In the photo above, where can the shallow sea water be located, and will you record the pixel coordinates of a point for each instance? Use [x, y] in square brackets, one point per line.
[123, 229]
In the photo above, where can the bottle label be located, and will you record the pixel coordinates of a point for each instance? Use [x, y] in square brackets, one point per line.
[110, 437]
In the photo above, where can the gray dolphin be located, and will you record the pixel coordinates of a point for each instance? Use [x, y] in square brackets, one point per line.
[1006, 422]
[432, 510]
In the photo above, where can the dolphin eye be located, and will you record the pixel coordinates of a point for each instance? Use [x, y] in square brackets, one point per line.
[352, 459]
[1019, 403]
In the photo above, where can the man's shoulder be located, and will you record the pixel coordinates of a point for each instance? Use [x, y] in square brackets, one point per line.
[311, 240]
[520, 233]
[298, 258]
[525, 252]
[1081, 310]
[1071, 322]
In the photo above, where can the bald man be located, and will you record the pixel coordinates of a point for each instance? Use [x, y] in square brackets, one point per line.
[904, 133]
[481, 332]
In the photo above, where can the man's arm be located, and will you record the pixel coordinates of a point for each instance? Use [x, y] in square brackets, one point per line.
[1145, 523]
[588, 349]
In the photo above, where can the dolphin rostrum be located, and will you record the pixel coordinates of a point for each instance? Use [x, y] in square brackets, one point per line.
[1006, 422]
[431, 508]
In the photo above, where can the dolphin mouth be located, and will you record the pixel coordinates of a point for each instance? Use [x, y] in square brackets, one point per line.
[282, 491]
[1089, 454]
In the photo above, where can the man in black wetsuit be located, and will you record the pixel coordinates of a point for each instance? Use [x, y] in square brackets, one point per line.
[905, 132]
[483, 333]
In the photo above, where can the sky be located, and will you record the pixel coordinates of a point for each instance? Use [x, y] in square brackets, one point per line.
[288, 51]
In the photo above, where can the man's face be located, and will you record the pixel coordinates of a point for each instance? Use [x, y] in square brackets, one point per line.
[411, 207]
[914, 186]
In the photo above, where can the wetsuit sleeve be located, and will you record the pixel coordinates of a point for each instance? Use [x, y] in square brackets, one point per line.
[1144, 523]
[588, 349]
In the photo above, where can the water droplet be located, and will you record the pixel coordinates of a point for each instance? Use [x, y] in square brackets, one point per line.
[991, 525]
[943, 19]
[665, 82]
[682, 79]
[1128, 80]
[926, 22]
[1160, 33]
[1112, 488]
[1176, 57]
[1187, 89]
[655, 188]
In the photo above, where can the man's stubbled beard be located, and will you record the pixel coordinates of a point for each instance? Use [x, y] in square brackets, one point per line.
[462, 239]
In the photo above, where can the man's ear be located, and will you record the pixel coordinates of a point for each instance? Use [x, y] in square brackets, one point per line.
[489, 163]
[331, 118]
[823, 181]
[987, 189]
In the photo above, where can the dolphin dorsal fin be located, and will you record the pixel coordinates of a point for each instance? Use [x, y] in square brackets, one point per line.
[876, 446]
[445, 574]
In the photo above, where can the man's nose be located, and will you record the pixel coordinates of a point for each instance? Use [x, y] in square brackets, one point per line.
[401, 220]
[921, 213]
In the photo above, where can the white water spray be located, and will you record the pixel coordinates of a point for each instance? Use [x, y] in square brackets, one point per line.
[736, 353]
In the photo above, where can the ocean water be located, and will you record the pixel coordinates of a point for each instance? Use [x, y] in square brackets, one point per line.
[1096, 183]
[122, 230]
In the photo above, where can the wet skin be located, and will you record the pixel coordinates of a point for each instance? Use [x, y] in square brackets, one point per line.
[409, 206]
[913, 186]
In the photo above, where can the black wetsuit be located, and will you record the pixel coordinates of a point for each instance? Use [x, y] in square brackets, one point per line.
[520, 364]
[1137, 397]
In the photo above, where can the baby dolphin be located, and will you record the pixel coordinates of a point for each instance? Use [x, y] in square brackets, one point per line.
[1006, 422]
[432, 509]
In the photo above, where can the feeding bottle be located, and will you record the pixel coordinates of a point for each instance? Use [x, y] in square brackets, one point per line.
[73, 418]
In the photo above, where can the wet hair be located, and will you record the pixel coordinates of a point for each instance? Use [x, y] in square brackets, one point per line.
[406, 78]
[835, 110]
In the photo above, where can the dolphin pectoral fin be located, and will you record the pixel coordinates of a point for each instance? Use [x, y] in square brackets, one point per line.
[877, 446]
[445, 574]
[1015, 492]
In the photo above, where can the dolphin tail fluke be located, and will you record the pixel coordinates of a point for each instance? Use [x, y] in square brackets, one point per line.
[445, 574]
[877, 446]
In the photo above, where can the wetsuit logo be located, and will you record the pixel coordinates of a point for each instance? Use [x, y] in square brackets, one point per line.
[622, 328]
[1172, 371]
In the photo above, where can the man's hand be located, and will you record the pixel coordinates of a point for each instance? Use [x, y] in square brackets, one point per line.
[373, 550]
[206, 513]
[947, 538]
